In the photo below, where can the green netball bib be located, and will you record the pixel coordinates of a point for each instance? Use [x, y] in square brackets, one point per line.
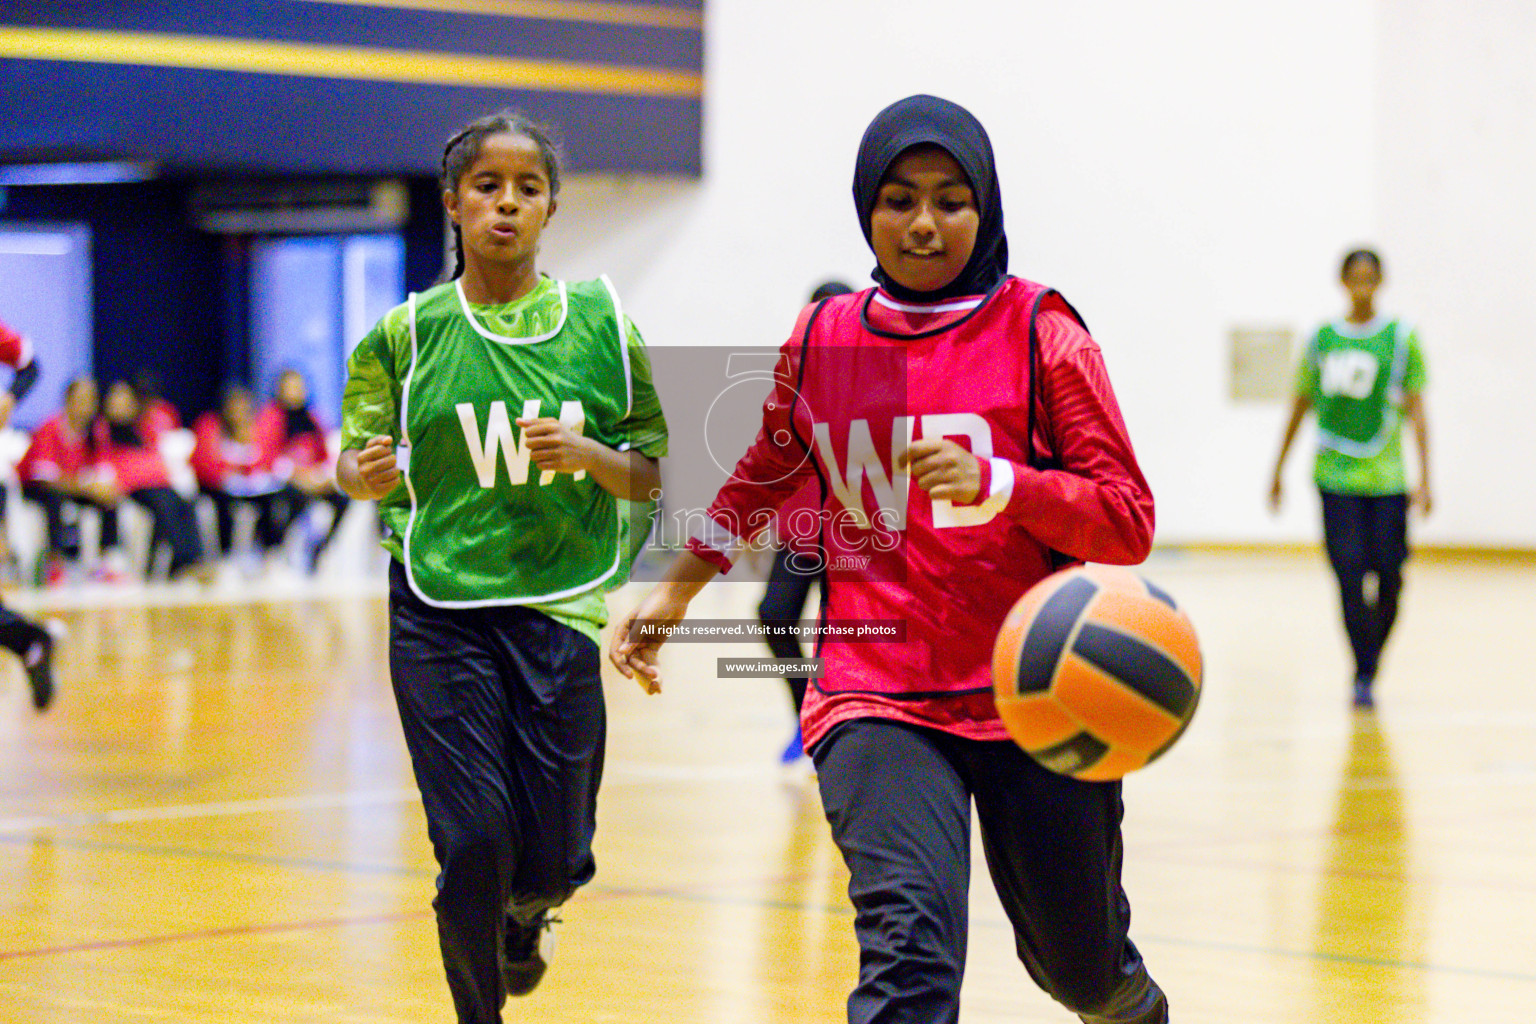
[1359, 388]
[486, 526]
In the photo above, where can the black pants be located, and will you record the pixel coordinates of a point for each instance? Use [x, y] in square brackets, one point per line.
[789, 584]
[899, 802]
[1367, 538]
[175, 525]
[62, 514]
[504, 718]
[272, 517]
[18, 634]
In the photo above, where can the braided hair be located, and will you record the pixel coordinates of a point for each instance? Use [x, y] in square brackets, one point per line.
[464, 147]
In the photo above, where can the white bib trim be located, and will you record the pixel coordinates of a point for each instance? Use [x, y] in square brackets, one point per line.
[502, 339]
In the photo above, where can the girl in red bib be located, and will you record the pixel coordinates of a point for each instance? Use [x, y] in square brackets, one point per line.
[945, 494]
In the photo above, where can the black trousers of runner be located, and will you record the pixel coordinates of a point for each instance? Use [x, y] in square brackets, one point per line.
[504, 718]
[1367, 535]
[899, 802]
[783, 604]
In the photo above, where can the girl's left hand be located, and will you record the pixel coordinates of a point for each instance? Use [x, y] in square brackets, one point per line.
[944, 469]
[554, 446]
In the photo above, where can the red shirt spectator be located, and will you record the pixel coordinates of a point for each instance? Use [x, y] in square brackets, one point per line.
[120, 452]
[158, 417]
[230, 454]
[57, 452]
[294, 439]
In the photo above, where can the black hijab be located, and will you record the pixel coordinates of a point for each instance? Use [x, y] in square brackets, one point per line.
[928, 120]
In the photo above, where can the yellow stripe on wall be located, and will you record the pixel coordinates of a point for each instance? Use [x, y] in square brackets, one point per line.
[646, 15]
[214, 53]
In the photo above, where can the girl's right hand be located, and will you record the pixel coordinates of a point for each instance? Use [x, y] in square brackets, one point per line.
[376, 466]
[637, 657]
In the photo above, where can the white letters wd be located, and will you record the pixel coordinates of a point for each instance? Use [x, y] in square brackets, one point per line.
[499, 440]
[979, 433]
[890, 492]
[1350, 373]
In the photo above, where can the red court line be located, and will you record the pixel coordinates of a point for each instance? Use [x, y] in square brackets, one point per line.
[211, 933]
[596, 893]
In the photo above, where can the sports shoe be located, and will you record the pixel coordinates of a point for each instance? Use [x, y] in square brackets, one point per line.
[794, 750]
[527, 950]
[55, 573]
[108, 572]
[39, 663]
[1364, 701]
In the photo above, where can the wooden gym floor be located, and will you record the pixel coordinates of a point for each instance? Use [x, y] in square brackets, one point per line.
[217, 823]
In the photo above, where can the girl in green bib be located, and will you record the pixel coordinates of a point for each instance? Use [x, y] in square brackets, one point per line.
[507, 426]
[1363, 376]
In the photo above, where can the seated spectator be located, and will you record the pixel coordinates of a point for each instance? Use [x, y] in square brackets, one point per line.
[156, 415]
[57, 473]
[302, 457]
[133, 466]
[234, 467]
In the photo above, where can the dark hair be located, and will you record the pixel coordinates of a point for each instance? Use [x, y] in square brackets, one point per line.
[146, 385]
[462, 149]
[827, 289]
[1361, 254]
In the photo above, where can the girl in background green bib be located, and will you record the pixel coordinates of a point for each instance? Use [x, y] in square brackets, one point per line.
[1363, 375]
[507, 426]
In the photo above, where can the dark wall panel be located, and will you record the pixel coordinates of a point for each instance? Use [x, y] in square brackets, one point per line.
[215, 119]
[660, 45]
[195, 84]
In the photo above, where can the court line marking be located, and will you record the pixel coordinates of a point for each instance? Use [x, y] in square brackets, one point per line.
[231, 856]
[685, 895]
[646, 771]
[357, 63]
[1325, 957]
[214, 809]
[234, 931]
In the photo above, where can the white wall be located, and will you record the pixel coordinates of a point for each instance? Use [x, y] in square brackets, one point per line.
[1175, 168]
[1456, 184]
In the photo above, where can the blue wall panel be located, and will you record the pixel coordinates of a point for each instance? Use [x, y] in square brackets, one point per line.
[45, 293]
[311, 301]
